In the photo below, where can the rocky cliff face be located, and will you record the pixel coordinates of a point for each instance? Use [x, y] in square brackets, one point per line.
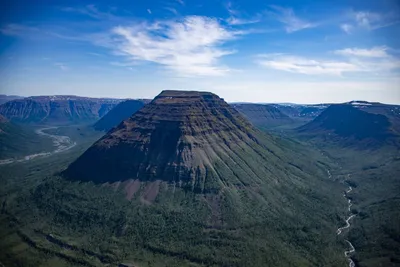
[57, 109]
[119, 113]
[192, 139]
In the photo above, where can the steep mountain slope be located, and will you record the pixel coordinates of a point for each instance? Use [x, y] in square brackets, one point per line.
[56, 109]
[119, 113]
[265, 116]
[350, 125]
[205, 187]
[177, 138]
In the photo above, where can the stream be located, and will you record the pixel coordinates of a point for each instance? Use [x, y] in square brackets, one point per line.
[351, 249]
[61, 143]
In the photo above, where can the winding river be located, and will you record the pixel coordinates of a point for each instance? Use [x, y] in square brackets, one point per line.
[60, 142]
[351, 249]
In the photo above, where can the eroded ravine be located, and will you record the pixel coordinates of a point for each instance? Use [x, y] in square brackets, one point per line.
[61, 143]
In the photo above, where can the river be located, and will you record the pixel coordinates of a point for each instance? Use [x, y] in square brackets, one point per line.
[60, 142]
[351, 250]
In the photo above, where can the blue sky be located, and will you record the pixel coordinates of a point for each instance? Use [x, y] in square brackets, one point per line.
[254, 51]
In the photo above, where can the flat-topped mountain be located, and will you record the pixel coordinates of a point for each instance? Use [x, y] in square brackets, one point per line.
[57, 109]
[188, 180]
[190, 138]
[263, 115]
[121, 112]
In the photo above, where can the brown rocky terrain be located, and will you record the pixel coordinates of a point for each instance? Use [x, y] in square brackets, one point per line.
[191, 139]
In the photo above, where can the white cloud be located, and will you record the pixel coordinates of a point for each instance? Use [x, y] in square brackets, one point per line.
[292, 22]
[172, 10]
[236, 18]
[189, 46]
[238, 21]
[149, 11]
[375, 61]
[303, 65]
[378, 51]
[181, 2]
[369, 20]
[347, 28]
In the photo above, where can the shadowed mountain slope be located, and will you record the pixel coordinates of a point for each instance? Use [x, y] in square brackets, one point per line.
[352, 124]
[119, 113]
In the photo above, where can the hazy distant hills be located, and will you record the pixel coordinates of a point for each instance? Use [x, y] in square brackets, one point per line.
[122, 111]
[57, 109]
[6, 98]
[305, 112]
[263, 115]
[356, 123]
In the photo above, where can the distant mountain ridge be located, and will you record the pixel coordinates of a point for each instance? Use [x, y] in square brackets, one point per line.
[57, 109]
[6, 98]
[355, 123]
[263, 115]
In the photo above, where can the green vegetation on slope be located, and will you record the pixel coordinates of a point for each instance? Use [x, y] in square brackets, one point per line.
[18, 141]
[374, 176]
[50, 220]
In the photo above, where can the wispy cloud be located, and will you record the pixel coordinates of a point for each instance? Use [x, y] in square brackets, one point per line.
[375, 60]
[180, 2]
[189, 46]
[292, 22]
[304, 65]
[378, 51]
[40, 32]
[237, 18]
[149, 11]
[172, 10]
[61, 66]
[347, 28]
[91, 11]
[369, 20]
[239, 21]
[18, 29]
[373, 20]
